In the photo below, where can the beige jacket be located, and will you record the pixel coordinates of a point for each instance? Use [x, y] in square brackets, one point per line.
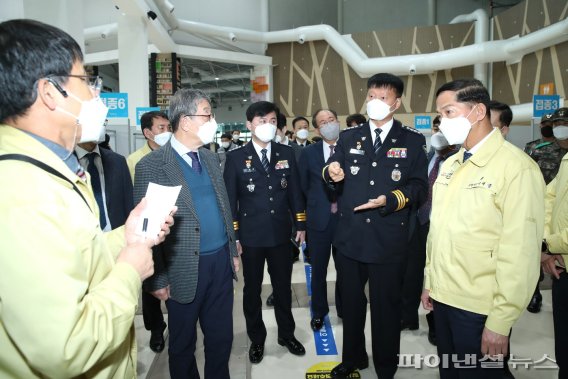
[66, 307]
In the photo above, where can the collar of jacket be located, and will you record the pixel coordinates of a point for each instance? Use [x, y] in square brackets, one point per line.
[485, 152]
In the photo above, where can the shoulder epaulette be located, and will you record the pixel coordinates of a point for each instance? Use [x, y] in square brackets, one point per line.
[413, 130]
[543, 144]
[352, 128]
[235, 149]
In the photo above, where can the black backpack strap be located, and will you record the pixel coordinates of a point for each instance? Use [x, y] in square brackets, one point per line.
[43, 166]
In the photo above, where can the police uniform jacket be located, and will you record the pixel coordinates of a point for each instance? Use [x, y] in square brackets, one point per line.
[398, 171]
[261, 202]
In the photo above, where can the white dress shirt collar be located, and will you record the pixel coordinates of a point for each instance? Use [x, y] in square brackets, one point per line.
[258, 149]
[385, 129]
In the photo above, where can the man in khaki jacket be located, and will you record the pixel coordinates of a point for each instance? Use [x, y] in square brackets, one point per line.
[485, 227]
[555, 245]
[68, 291]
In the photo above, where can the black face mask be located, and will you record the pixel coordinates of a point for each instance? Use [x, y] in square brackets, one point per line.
[546, 131]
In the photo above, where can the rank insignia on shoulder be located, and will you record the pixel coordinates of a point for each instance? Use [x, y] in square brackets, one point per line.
[413, 130]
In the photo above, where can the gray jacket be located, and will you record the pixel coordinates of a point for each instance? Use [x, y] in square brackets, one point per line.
[176, 260]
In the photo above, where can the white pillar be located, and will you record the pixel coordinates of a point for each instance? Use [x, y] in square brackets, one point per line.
[64, 14]
[133, 62]
[11, 9]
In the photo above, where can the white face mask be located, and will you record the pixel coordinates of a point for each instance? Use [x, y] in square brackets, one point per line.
[206, 132]
[302, 134]
[265, 132]
[560, 132]
[225, 145]
[236, 137]
[456, 129]
[378, 110]
[162, 138]
[438, 141]
[330, 131]
[91, 117]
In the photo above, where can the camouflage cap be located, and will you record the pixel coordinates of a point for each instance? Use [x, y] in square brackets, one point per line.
[560, 114]
[546, 117]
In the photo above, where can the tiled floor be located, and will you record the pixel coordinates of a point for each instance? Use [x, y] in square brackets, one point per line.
[532, 338]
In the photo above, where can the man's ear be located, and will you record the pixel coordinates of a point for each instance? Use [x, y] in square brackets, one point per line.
[398, 103]
[47, 94]
[146, 133]
[480, 112]
[249, 125]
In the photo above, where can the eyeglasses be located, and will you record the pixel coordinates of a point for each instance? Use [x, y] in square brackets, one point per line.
[95, 82]
[209, 116]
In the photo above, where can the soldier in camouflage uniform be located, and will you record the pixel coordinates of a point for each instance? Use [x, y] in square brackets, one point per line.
[547, 153]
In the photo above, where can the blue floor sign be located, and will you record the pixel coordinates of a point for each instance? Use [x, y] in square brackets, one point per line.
[324, 340]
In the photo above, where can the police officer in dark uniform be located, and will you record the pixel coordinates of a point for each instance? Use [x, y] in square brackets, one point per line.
[264, 191]
[383, 167]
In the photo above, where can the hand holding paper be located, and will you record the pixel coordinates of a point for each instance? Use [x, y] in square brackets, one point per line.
[146, 221]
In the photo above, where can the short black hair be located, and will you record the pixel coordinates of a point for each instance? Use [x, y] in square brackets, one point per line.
[314, 123]
[437, 120]
[299, 118]
[281, 121]
[506, 115]
[261, 108]
[469, 91]
[147, 119]
[226, 135]
[31, 50]
[387, 81]
[357, 117]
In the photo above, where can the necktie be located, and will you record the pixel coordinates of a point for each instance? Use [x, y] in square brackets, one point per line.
[334, 202]
[466, 156]
[97, 188]
[424, 211]
[195, 164]
[378, 143]
[264, 160]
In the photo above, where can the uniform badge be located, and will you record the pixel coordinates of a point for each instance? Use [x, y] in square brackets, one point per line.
[354, 170]
[248, 165]
[250, 186]
[358, 145]
[283, 183]
[396, 175]
[281, 165]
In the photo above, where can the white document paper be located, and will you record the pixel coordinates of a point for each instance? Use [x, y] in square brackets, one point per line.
[159, 202]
